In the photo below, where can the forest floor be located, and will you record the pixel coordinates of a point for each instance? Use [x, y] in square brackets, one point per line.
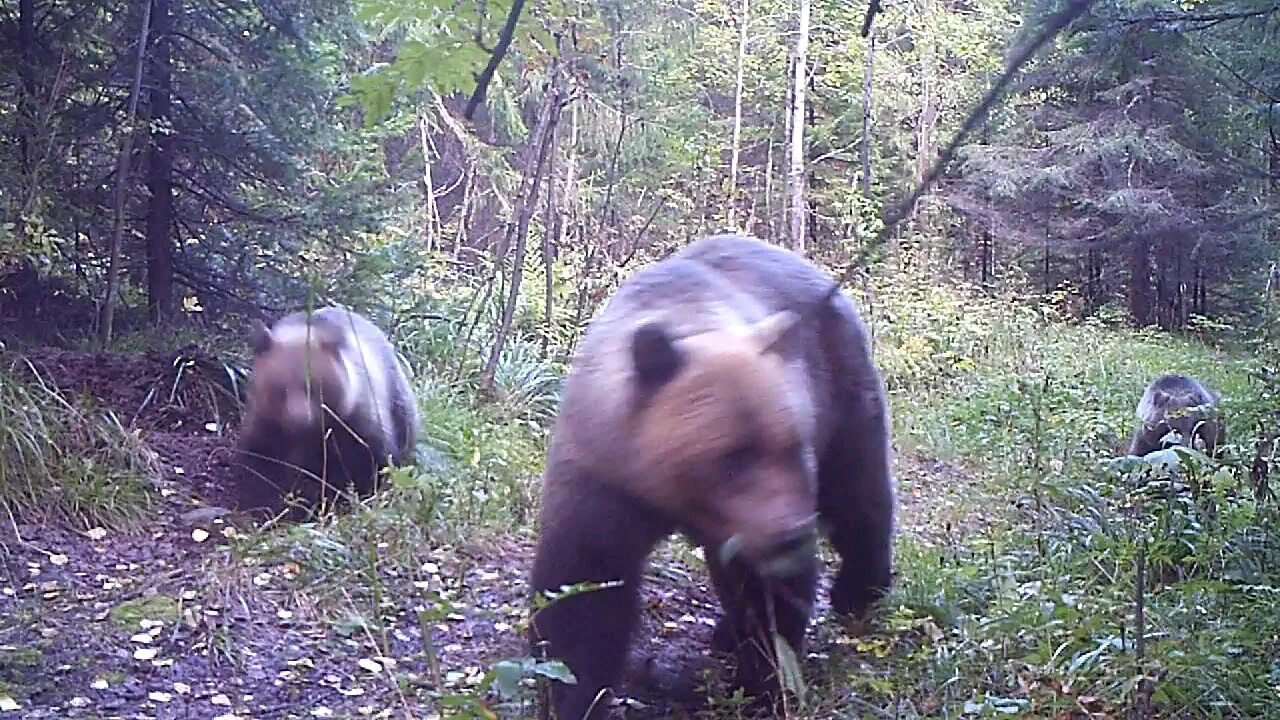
[181, 618]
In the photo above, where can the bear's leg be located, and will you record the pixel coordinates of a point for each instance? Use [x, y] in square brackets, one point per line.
[590, 533]
[750, 603]
[855, 499]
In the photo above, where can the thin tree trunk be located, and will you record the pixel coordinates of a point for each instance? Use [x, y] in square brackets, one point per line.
[770, 220]
[535, 160]
[27, 128]
[796, 205]
[107, 326]
[868, 79]
[464, 215]
[160, 172]
[744, 14]
[1139, 280]
[551, 222]
[928, 97]
[431, 218]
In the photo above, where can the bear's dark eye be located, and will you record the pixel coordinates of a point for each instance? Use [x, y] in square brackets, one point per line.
[738, 460]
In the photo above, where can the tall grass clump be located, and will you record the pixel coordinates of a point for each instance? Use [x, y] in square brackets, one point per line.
[61, 460]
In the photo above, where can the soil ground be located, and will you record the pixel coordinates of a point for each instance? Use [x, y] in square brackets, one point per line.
[169, 622]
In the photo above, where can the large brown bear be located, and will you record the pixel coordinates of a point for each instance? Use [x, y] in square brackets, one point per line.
[328, 407]
[1178, 403]
[700, 401]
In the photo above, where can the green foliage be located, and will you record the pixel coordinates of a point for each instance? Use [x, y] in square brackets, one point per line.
[442, 46]
[1041, 620]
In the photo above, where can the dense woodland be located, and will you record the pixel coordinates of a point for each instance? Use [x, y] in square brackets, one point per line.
[478, 179]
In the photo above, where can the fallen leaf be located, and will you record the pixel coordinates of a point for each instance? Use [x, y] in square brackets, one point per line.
[8, 704]
[159, 696]
[220, 699]
[59, 559]
[369, 665]
[145, 653]
[96, 533]
[199, 534]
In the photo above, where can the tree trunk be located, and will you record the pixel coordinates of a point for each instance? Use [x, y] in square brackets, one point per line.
[928, 97]
[1273, 163]
[770, 221]
[744, 14]
[432, 223]
[868, 79]
[106, 327]
[160, 171]
[1140, 280]
[796, 205]
[551, 224]
[26, 112]
[535, 158]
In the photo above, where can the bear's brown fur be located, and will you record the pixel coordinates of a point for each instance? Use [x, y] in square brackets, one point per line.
[699, 402]
[328, 407]
[1180, 403]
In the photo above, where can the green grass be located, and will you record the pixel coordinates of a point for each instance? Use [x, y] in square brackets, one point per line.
[62, 460]
[1042, 619]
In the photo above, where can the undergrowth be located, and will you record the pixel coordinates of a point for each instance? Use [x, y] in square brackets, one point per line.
[1044, 621]
[1112, 583]
[62, 460]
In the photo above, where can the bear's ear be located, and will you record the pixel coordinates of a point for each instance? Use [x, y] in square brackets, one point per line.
[654, 355]
[768, 332]
[259, 337]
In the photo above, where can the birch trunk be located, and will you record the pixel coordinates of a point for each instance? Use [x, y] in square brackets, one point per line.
[868, 79]
[744, 15]
[796, 170]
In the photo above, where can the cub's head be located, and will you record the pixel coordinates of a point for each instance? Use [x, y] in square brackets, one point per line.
[722, 433]
[1179, 404]
[297, 369]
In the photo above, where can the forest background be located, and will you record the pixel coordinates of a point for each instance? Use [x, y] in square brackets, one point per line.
[172, 169]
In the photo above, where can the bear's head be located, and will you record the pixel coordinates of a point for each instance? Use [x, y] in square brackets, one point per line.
[1181, 405]
[298, 371]
[722, 433]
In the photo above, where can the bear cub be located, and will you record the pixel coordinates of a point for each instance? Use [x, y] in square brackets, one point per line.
[1182, 404]
[713, 396]
[328, 407]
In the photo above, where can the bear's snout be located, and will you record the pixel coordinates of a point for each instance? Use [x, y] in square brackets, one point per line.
[788, 550]
[774, 553]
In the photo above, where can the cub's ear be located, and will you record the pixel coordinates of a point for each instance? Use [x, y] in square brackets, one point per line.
[654, 355]
[259, 337]
[769, 331]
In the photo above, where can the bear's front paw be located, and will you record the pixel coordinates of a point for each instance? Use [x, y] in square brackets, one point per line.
[852, 594]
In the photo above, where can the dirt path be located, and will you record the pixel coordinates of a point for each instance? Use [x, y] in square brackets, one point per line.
[171, 622]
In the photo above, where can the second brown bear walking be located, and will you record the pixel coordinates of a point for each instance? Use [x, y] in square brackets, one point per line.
[701, 402]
